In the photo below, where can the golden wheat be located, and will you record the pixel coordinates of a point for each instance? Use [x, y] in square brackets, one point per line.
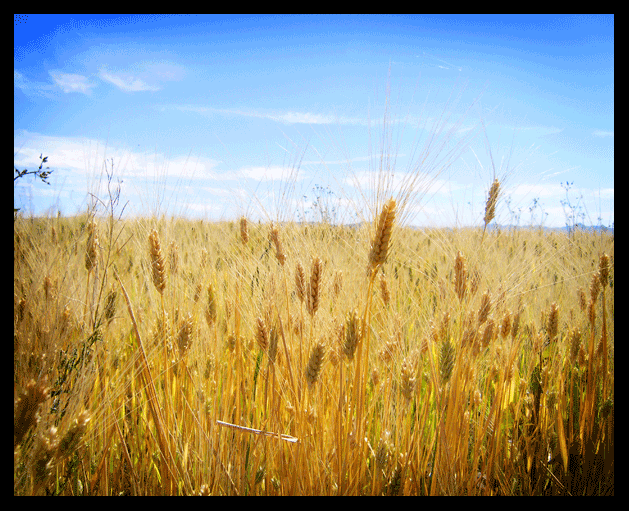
[210, 310]
[492, 200]
[277, 242]
[234, 391]
[244, 231]
[27, 408]
[300, 282]
[92, 246]
[382, 237]
[315, 362]
[314, 287]
[603, 269]
[157, 262]
[485, 308]
[352, 334]
[553, 321]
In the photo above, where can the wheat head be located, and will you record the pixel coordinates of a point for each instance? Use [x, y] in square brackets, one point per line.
[492, 199]
[157, 262]
[460, 276]
[314, 287]
[382, 237]
[313, 369]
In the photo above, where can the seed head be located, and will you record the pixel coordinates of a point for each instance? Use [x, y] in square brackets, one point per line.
[352, 334]
[184, 339]
[382, 238]
[407, 384]
[314, 287]
[262, 333]
[314, 363]
[91, 250]
[300, 282]
[492, 199]
[553, 321]
[595, 286]
[244, 232]
[279, 249]
[210, 311]
[157, 262]
[485, 308]
[603, 269]
[460, 276]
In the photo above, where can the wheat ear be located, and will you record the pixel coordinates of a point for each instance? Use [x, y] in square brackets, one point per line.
[352, 333]
[91, 250]
[157, 262]
[314, 287]
[91, 254]
[313, 369]
[210, 311]
[460, 276]
[244, 232]
[300, 282]
[382, 237]
[279, 248]
[492, 200]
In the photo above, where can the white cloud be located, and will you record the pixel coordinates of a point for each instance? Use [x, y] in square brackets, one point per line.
[526, 190]
[271, 173]
[71, 82]
[282, 117]
[126, 81]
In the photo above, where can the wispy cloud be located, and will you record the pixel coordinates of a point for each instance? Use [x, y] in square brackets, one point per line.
[447, 65]
[85, 156]
[69, 82]
[603, 134]
[126, 81]
[546, 191]
[271, 173]
[146, 76]
[289, 117]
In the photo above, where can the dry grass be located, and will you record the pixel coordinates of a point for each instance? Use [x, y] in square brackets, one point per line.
[276, 381]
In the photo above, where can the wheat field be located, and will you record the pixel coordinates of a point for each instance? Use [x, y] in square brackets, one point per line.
[162, 356]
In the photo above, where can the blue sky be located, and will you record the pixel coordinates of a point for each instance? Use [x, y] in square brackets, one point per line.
[219, 116]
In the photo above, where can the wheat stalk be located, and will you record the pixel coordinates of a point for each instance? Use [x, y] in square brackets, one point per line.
[91, 255]
[151, 393]
[281, 436]
[603, 270]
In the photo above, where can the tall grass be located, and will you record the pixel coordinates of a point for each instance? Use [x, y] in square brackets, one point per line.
[487, 369]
